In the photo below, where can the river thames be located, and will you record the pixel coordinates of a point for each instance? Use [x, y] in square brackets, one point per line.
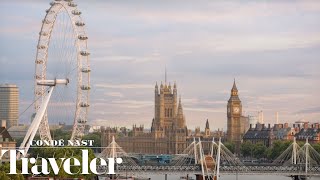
[233, 177]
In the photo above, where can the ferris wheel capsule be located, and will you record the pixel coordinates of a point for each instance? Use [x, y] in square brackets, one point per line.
[39, 61]
[83, 37]
[79, 23]
[84, 53]
[84, 87]
[46, 21]
[76, 12]
[42, 47]
[84, 104]
[42, 33]
[49, 11]
[82, 120]
[72, 4]
[86, 70]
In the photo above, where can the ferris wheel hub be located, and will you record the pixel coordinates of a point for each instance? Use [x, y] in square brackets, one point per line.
[54, 82]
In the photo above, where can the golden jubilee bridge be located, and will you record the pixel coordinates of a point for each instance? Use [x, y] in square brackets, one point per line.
[296, 162]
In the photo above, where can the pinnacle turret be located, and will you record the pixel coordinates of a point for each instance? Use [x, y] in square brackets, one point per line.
[156, 89]
[234, 90]
[234, 87]
[180, 116]
[207, 124]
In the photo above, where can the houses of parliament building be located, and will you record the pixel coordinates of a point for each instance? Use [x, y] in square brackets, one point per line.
[169, 133]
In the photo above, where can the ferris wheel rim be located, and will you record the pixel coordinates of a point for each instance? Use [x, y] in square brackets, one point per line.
[82, 94]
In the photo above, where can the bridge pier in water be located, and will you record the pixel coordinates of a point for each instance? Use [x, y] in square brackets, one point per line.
[201, 177]
[299, 177]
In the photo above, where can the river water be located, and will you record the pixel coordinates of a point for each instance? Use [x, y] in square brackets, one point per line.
[232, 177]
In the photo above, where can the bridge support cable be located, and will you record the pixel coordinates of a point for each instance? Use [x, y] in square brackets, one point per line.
[289, 156]
[212, 147]
[303, 158]
[308, 156]
[202, 160]
[204, 165]
[225, 160]
[294, 151]
[295, 162]
[195, 151]
[188, 157]
[113, 150]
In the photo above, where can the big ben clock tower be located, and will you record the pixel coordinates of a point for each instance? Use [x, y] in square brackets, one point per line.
[234, 113]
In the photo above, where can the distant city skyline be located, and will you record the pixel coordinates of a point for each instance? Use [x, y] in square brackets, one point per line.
[270, 48]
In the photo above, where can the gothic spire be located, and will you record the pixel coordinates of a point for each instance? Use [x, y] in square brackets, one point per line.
[180, 117]
[180, 110]
[207, 124]
[165, 75]
[234, 87]
[156, 89]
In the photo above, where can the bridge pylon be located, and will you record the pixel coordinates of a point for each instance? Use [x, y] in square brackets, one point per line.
[113, 150]
[210, 163]
[305, 158]
[308, 157]
[289, 156]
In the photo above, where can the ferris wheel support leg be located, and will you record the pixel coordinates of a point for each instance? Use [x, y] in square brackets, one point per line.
[35, 123]
[218, 159]
[201, 159]
[212, 145]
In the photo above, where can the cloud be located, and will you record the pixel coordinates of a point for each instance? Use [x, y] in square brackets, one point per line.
[264, 42]
[127, 59]
[132, 103]
[285, 97]
[272, 48]
[117, 113]
[220, 110]
[124, 104]
[309, 110]
[124, 86]
[114, 94]
[213, 11]
[214, 102]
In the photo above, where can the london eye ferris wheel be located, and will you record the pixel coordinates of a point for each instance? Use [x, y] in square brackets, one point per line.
[62, 72]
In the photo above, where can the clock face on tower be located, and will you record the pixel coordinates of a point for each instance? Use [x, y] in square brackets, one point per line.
[236, 110]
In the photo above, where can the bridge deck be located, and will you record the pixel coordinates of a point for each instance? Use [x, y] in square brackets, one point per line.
[224, 170]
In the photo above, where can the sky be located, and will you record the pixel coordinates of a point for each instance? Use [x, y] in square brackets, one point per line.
[271, 48]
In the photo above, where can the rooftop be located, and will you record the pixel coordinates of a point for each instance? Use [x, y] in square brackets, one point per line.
[7, 85]
[5, 134]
